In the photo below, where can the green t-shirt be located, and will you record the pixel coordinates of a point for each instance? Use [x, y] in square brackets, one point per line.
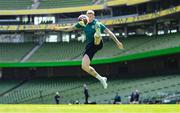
[89, 29]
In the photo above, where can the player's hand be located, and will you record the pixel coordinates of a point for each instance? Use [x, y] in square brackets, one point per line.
[81, 23]
[120, 45]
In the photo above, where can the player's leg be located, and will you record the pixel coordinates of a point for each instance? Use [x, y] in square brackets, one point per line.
[86, 99]
[97, 35]
[86, 67]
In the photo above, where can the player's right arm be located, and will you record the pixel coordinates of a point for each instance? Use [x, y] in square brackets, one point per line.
[69, 28]
[65, 29]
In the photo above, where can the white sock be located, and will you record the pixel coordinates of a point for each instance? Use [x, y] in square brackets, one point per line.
[99, 77]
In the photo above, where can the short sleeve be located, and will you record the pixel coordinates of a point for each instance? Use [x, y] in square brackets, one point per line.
[103, 27]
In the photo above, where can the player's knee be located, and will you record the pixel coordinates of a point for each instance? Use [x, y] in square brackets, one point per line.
[84, 67]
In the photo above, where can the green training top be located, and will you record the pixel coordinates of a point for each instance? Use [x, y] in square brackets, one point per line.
[89, 29]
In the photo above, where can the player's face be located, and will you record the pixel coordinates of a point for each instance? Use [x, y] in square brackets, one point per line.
[91, 17]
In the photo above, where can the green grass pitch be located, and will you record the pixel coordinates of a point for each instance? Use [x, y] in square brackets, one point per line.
[37, 108]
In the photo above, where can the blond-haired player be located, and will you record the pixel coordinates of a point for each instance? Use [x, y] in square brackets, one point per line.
[93, 31]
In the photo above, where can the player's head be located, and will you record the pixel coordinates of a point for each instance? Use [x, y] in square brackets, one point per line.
[57, 93]
[84, 85]
[91, 15]
[137, 91]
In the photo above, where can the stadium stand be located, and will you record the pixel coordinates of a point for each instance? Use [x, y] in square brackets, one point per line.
[71, 89]
[33, 88]
[156, 43]
[133, 45]
[6, 86]
[63, 3]
[74, 50]
[57, 51]
[15, 4]
[13, 52]
[147, 87]
[46, 4]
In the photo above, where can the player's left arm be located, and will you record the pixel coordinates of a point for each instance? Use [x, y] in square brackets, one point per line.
[114, 38]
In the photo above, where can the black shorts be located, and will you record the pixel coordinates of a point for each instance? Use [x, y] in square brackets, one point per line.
[91, 49]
